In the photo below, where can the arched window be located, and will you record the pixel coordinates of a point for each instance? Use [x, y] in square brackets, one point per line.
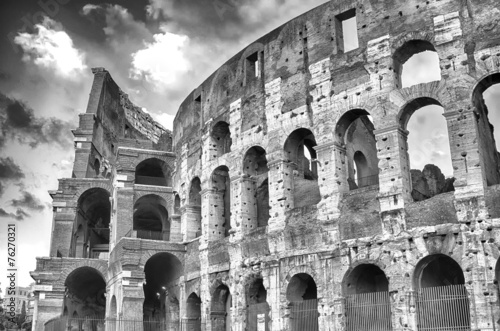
[299, 149]
[428, 148]
[85, 292]
[220, 312]
[442, 300]
[368, 306]
[97, 167]
[161, 270]
[221, 139]
[256, 205]
[302, 294]
[177, 204]
[416, 62]
[486, 101]
[153, 172]
[151, 219]
[91, 234]
[257, 306]
[221, 184]
[193, 313]
[354, 131]
[193, 210]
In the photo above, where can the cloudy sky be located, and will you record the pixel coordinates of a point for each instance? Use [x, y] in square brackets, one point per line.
[156, 50]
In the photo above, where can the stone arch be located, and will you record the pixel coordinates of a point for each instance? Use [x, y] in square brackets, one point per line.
[113, 309]
[302, 269]
[101, 266]
[85, 289]
[355, 132]
[147, 254]
[299, 151]
[406, 47]
[224, 77]
[220, 308]
[153, 171]
[151, 218]
[103, 184]
[302, 299]
[489, 157]
[193, 311]
[437, 276]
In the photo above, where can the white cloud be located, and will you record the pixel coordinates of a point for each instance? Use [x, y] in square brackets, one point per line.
[163, 61]
[164, 119]
[52, 48]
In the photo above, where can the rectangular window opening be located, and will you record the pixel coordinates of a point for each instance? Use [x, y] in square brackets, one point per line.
[253, 66]
[347, 31]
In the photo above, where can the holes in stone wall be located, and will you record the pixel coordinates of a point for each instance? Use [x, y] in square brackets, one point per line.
[347, 31]
[221, 184]
[416, 62]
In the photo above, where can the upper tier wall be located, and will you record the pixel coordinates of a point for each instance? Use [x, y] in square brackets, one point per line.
[299, 52]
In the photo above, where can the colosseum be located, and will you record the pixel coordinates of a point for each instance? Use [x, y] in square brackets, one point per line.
[283, 199]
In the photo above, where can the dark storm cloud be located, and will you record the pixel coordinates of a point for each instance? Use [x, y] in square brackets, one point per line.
[9, 170]
[19, 122]
[18, 215]
[29, 201]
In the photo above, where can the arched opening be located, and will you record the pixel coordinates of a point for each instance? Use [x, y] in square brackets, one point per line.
[192, 321]
[221, 184]
[486, 101]
[257, 307]
[177, 204]
[151, 219]
[416, 62]
[161, 272]
[354, 131]
[153, 172]
[256, 199]
[112, 320]
[85, 290]
[193, 210]
[220, 312]
[91, 229]
[368, 307]
[299, 149]
[428, 148]
[302, 294]
[442, 300]
[221, 139]
[97, 167]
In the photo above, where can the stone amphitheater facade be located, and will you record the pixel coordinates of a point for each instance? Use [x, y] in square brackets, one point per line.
[283, 199]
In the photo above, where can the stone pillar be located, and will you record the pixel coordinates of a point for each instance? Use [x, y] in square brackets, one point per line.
[62, 230]
[49, 304]
[175, 228]
[332, 178]
[470, 179]
[281, 188]
[191, 220]
[124, 222]
[394, 178]
[244, 206]
[271, 278]
[212, 202]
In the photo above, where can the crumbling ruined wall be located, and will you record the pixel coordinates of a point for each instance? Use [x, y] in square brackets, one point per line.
[297, 96]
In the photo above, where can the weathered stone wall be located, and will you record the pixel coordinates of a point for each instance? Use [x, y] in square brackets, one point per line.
[305, 95]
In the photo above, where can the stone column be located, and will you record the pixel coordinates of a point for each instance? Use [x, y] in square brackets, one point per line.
[124, 222]
[271, 278]
[49, 304]
[191, 220]
[244, 206]
[332, 178]
[212, 202]
[281, 188]
[470, 178]
[62, 231]
[175, 228]
[394, 178]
